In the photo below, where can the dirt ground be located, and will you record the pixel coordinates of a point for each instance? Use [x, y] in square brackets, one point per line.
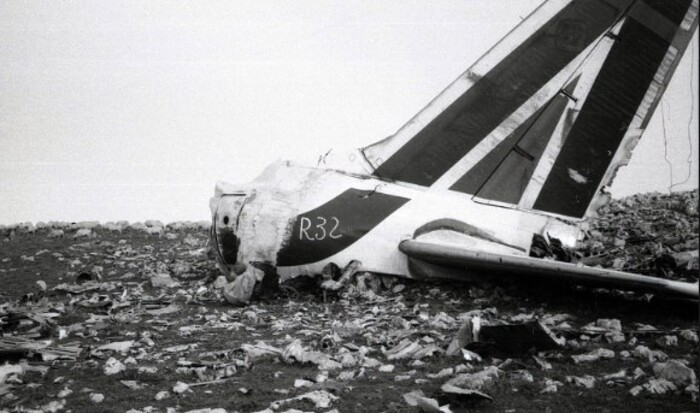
[181, 337]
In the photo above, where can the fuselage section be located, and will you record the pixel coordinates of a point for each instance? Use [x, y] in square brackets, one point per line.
[298, 219]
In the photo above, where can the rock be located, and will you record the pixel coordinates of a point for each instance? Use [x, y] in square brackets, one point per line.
[41, 284]
[220, 282]
[162, 395]
[644, 352]
[586, 381]
[659, 386]
[676, 372]
[551, 386]
[689, 335]
[411, 398]
[152, 223]
[615, 337]
[594, 355]
[522, 376]
[387, 368]
[56, 233]
[64, 393]
[162, 280]
[97, 398]
[476, 381]
[667, 341]
[154, 231]
[180, 387]
[113, 366]
[610, 324]
[83, 233]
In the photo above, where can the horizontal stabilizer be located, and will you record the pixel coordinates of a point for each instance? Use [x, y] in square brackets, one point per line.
[516, 267]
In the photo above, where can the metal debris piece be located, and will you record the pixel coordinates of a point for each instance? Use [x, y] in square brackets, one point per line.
[120, 346]
[519, 338]
[465, 335]
[320, 398]
[453, 390]
[18, 347]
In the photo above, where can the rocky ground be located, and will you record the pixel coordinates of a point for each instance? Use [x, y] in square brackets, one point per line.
[119, 317]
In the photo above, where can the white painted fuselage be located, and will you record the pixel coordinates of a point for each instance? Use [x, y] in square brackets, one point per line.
[292, 210]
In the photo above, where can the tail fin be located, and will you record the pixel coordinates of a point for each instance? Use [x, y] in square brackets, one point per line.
[546, 117]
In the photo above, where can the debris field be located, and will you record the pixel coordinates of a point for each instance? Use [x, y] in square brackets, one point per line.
[133, 317]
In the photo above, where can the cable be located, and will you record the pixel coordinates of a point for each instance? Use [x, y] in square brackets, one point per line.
[663, 129]
[690, 122]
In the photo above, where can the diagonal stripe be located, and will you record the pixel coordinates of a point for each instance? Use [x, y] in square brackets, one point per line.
[496, 95]
[607, 114]
[504, 173]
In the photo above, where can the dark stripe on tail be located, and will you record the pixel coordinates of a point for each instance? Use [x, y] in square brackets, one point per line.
[608, 111]
[495, 96]
[504, 173]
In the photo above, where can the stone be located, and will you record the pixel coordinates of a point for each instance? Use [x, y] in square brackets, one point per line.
[676, 372]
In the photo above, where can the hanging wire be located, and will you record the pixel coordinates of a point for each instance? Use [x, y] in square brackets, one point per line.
[690, 123]
[663, 129]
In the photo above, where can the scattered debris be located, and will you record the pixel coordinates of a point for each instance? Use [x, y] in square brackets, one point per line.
[138, 308]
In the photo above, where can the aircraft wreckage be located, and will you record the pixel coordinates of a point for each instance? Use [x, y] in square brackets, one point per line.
[520, 146]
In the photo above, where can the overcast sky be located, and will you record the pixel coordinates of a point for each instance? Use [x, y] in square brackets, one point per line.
[134, 109]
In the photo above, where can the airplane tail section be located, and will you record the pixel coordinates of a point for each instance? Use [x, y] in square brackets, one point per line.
[545, 118]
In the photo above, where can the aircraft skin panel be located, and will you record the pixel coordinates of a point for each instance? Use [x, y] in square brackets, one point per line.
[607, 114]
[500, 92]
